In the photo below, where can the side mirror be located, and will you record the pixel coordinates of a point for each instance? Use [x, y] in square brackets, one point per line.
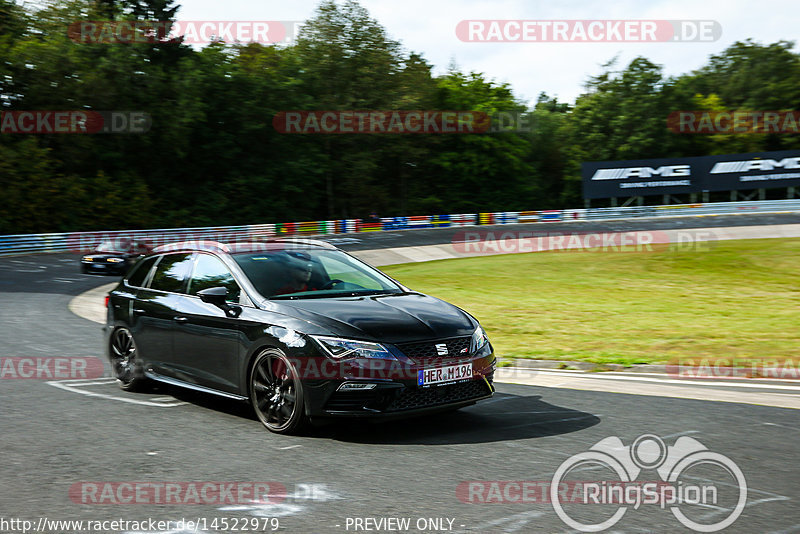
[218, 297]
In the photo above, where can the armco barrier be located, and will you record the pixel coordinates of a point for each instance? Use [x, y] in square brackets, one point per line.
[86, 241]
[528, 216]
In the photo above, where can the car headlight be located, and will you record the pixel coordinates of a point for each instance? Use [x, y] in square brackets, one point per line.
[115, 260]
[479, 340]
[339, 348]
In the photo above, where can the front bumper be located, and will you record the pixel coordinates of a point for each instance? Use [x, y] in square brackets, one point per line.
[398, 397]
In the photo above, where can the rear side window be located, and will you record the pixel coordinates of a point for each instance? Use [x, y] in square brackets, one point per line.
[209, 271]
[140, 272]
[171, 273]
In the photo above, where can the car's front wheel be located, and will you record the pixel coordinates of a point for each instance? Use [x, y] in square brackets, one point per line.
[124, 363]
[276, 392]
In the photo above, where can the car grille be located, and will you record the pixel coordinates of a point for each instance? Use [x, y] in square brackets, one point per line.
[426, 351]
[410, 399]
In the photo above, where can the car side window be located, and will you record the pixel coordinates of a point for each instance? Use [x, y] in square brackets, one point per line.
[210, 271]
[139, 275]
[171, 273]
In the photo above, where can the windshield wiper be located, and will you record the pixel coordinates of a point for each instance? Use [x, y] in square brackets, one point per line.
[325, 294]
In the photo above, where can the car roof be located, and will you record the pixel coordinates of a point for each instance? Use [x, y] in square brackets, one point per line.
[280, 243]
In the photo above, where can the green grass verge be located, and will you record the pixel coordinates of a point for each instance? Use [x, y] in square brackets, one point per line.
[740, 299]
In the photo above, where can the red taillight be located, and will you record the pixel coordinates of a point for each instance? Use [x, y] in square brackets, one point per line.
[107, 297]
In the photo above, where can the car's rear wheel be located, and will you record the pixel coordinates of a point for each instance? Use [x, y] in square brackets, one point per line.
[125, 366]
[276, 393]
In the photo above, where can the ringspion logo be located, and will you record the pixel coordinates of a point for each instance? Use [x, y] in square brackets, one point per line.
[678, 490]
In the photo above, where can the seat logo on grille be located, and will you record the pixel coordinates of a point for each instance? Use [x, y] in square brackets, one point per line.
[441, 349]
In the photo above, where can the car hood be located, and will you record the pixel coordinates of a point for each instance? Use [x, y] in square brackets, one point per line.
[392, 318]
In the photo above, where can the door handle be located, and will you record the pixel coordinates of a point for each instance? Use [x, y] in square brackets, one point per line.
[138, 311]
[179, 319]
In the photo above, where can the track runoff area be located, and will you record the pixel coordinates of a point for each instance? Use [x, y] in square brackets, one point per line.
[553, 450]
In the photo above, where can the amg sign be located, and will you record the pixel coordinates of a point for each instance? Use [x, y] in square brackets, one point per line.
[641, 172]
[755, 165]
[606, 179]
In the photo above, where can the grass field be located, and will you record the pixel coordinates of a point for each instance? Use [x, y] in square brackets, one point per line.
[739, 299]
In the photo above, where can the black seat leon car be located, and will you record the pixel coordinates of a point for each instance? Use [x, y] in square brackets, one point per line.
[298, 328]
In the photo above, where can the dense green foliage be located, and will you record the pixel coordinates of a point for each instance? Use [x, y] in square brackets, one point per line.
[212, 156]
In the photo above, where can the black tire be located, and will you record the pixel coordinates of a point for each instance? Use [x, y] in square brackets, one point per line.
[125, 367]
[276, 393]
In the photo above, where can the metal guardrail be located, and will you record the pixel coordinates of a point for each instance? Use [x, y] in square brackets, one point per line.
[79, 242]
[682, 210]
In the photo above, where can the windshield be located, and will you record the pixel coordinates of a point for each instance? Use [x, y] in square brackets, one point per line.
[312, 273]
[113, 246]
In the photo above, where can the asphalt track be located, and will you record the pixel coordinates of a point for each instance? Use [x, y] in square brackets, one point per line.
[55, 435]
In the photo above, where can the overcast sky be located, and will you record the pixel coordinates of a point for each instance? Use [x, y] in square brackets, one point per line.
[560, 69]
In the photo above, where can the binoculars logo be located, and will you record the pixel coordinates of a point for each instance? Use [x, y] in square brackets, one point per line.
[649, 452]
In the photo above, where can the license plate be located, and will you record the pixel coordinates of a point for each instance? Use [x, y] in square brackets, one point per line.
[442, 375]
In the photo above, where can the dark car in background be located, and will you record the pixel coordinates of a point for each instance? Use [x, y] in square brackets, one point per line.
[114, 256]
[298, 328]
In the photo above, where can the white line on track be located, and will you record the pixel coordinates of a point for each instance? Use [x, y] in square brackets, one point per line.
[76, 388]
[688, 383]
[95, 383]
[87, 381]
